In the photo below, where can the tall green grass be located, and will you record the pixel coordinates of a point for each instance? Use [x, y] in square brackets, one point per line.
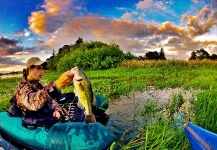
[7, 90]
[205, 109]
[163, 128]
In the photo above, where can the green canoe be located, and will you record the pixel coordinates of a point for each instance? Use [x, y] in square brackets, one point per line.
[61, 136]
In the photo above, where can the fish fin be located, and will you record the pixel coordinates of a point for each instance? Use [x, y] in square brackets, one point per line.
[94, 100]
[90, 119]
[92, 95]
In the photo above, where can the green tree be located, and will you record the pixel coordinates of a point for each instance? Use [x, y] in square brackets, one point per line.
[79, 41]
[193, 56]
[129, 56]
[162, 54]
[200, 55]
[92, 56]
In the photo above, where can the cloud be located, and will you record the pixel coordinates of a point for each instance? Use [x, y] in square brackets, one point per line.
[144, 4]
[10, 61]
[60, 23]
[153, 6]
[37, 22]
[160, 5]
[5, 41]
[56, 15]
[188, 45]
[202, 22]
[24, 32]
[126, 16]
[169, 28]
[9, 46]
[211, 4]
[54, 7]
[18, 33]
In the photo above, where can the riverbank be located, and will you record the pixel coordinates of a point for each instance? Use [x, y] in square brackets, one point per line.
[159, 130]
[11, 74]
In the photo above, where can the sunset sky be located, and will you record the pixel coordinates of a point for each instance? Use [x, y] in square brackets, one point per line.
[35, 27]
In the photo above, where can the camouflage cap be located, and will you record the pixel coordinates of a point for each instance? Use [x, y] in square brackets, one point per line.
[34, 61]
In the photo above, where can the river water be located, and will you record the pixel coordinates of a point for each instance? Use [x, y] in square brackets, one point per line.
[10, 76]
[123, 110]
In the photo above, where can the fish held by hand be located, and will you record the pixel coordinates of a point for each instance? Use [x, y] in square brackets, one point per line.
[83, 89]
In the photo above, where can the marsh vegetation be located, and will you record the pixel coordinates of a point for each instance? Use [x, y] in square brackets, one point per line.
[158, 125]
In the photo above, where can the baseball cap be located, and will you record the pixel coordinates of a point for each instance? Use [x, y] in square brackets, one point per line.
[34, 61]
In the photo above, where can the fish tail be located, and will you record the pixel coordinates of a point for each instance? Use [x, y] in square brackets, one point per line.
[90, 119]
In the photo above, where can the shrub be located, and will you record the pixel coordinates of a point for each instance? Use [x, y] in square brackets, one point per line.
[97, 56]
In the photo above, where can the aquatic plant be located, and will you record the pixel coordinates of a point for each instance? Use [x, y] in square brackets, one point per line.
[163, 130]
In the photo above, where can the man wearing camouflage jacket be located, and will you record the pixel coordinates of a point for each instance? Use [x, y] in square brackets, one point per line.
[36, 100]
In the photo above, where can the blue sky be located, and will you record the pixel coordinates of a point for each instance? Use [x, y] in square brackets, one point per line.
[35, 27]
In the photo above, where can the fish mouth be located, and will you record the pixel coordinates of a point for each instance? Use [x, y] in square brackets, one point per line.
[79, 80]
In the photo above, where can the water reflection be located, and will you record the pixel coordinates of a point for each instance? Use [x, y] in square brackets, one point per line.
[122, 111]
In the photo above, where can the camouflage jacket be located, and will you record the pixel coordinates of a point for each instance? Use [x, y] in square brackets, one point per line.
[32, 95]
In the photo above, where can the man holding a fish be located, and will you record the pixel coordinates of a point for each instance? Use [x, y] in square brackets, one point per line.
[38, 102]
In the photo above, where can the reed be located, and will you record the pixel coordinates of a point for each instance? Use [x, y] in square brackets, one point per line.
[205, 109]
[168, 64]
[164, 126]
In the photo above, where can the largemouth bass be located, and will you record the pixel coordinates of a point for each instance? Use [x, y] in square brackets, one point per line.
[83, 89]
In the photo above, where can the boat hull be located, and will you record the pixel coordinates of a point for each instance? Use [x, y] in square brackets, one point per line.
[67, 136]
[199, 138]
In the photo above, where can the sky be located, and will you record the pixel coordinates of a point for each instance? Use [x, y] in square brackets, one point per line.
[34, 28]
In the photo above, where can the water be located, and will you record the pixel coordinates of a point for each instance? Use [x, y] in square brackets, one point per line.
[10, 76]
[122, 111]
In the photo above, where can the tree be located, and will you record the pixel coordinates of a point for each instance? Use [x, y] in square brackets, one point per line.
[155, 55]
[92, 56]
[193, 56]
[141, 58]
[129, 56]
[161, 54]
[79, 41]
[152, 55]
[53, 53]
[202, 54]
[213, 57]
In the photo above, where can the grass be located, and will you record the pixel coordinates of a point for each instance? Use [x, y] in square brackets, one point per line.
[161, 130]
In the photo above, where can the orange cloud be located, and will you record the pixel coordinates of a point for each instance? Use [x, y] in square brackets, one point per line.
[42, 22]
[59, 26]
[202, 22]
[53, 7]
[37, 22]
[209, 42]
[184, 17]
[3, 52]
[171, 29]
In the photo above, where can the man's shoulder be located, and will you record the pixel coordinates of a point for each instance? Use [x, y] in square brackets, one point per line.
[22, 84]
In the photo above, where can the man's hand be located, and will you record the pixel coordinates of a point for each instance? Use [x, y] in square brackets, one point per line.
[64, 80]
[56, 114]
